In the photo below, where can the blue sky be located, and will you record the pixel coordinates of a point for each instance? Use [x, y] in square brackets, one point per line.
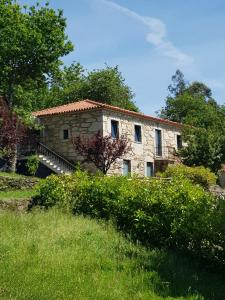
[149, 40]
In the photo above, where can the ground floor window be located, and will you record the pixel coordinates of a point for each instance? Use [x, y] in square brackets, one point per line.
[126, 167]
[149, 169]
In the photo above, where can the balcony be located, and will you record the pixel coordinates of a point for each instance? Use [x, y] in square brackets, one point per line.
[166, 153]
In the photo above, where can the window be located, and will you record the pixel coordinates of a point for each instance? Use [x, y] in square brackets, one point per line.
[158, 142]
[137, 133]
[65, 134]
[126, 167]
[149, 169]
[114, 129]
[179, 142]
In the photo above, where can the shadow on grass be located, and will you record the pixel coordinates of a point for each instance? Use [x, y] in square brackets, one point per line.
[183, 275]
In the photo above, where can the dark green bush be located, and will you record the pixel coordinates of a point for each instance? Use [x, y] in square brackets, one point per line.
[176, 213]
[199, 175]
[32, 164]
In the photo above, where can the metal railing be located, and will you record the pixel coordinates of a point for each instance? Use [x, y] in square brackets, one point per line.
[55, 157]
[165, 152]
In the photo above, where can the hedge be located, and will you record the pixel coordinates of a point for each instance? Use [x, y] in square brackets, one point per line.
[173, 214]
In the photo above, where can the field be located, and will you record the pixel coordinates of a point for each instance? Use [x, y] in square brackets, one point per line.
[49, 255]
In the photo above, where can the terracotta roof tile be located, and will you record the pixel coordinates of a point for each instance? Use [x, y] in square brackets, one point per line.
[90, 104]
[71, 107]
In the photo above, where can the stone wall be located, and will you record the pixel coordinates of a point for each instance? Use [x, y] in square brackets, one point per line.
[89, 122]
[8, 183]
[80, 123]
[141, 152]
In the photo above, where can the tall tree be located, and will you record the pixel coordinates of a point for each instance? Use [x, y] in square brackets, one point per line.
[192, 104]
[72, 83]
[108, 86]
[32, 41]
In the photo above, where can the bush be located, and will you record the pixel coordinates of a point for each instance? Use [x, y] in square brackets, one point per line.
[199, 175]
[32, 164]
[174, 213]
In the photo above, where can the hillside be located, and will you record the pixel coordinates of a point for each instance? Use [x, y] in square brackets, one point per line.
[56, 256]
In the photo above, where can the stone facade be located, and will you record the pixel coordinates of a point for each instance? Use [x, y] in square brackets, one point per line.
[87, 123]
[78, 123]
[144, 151]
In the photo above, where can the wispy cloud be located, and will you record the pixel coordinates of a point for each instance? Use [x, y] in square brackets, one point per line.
[157, 35]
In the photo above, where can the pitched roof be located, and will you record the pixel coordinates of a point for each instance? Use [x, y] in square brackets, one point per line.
[91, 105]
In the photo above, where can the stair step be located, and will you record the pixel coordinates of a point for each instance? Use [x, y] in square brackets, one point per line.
[57, 167]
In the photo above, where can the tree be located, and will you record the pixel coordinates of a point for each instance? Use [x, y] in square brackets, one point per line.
[178, 84]
[108, 86]
[101, 150]
[185, 98]
[205, 147]
[194, 106]
[12, 133]
[32, 41]
[72, 83]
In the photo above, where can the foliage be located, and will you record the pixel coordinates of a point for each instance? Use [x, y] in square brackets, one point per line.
[72, 83]
[205, 147]
[198, 175]
[32, 40]
[12, 133]
[32, 164]
[108, 86]
[50, 255]
[101, 150]
[192, 104]
[173, 214]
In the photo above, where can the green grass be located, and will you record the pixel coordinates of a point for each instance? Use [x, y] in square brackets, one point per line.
[12, 175]
[49, 255]
[17, 195]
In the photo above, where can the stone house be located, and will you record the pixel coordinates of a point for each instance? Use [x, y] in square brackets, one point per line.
[154, 141]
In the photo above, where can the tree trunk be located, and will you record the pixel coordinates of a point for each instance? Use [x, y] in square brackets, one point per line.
[12, 159]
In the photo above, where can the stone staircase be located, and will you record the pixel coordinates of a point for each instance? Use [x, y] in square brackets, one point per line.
[54, 161]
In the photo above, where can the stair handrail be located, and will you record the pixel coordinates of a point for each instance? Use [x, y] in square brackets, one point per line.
[56, 155]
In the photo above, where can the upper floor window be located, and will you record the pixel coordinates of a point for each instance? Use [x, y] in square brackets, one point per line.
[179, 142]
[114, 129]
[65, 134]
[137, 133]
[158, 142]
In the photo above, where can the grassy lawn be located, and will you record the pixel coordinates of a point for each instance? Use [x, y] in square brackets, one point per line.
[49, 255]
[17, 195]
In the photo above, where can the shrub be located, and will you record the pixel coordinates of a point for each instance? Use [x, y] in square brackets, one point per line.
[199, 175]
[52, 191]
[32, 164]
[174, 213]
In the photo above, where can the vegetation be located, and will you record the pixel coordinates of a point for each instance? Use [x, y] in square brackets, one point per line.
[198, 175]
[173, 214]
[101, 150]
[32, 164]
[74, 83]
[12, 133]
[32, 41]
[13, 182]
[192, 104]
[49, 255]
[17, 195]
